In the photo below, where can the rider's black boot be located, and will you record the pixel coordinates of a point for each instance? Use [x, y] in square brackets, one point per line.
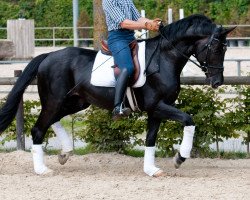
[120, 88]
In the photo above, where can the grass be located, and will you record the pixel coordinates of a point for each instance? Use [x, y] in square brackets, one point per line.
[227, 155]
[134, 153]
[7, 150]
[140, 153]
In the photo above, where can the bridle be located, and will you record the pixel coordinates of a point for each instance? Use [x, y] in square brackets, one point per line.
[208, 47]
[204, 66]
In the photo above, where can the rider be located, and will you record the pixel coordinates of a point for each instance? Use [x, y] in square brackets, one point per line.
[122, 18]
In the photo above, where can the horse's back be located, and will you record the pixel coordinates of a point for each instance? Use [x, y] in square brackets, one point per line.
[57, 73]
[65, 57]
[65, 63]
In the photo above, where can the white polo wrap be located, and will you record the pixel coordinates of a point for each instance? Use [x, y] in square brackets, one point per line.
[63, 137]
[149, 161]
[187, 142]
[38, 161]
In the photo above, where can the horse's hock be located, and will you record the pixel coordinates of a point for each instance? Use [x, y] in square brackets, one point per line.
[7, 49]
[22, 34]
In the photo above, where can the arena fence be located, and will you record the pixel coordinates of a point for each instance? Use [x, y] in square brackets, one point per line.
[61, 36]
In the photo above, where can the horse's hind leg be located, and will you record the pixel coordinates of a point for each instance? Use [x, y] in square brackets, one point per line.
[66, 142]
[70, 105]
[38, 133]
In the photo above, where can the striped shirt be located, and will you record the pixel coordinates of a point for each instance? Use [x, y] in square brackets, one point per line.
[116, 11]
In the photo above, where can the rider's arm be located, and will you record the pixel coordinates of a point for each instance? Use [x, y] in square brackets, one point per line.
[141, 23]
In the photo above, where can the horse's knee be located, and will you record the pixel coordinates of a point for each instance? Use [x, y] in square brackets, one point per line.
[187, 120]
[37, 135]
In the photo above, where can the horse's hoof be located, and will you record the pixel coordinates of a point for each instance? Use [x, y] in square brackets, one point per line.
[48, 172]
[45, 172]
[159, 173]
[64, 156]
[178, 160]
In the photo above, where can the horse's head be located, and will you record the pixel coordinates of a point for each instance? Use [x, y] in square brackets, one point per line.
[210, 52]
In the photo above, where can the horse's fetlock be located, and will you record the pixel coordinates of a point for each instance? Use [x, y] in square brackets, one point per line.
[187, 120]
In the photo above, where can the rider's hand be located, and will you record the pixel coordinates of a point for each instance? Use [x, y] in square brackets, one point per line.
[153, 25]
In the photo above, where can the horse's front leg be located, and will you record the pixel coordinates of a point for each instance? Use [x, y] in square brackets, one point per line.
[164, 111]
[186, 146]
[66, 143]
[149, 154]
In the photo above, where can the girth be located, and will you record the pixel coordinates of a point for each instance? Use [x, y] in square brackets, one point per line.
[134, 52]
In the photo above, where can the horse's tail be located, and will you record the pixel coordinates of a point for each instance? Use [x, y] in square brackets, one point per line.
[9, 109]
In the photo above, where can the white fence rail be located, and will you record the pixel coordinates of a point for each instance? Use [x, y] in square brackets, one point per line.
[238, 63]
[56, 35]
[54, 30]
[238, 78]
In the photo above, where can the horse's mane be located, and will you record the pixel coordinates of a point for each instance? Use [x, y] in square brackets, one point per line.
[189, 26]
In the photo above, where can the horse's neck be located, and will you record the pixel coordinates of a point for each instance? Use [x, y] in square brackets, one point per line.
[176, 53]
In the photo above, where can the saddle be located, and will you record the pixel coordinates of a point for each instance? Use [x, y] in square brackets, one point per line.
[134, 52]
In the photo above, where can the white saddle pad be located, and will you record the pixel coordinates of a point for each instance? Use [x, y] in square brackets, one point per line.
[103, 73]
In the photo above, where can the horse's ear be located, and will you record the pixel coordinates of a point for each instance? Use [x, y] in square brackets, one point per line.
[227, 30]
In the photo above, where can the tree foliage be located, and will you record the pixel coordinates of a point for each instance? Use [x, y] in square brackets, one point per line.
[58, 13]
[48, 13]
[223, 12]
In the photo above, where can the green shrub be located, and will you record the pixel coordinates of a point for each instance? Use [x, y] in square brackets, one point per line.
[31, 112]
[107, 135]
[239, 114]
[206, 108]
[215, 118]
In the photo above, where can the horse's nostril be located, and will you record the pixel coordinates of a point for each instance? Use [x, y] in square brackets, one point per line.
[216, 84]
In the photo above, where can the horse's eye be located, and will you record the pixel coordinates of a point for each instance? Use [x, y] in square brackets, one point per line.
[217, 51]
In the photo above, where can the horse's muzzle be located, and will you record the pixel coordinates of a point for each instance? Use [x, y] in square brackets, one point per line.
[216, 80]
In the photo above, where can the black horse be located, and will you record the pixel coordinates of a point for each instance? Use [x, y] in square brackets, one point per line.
[63, 79]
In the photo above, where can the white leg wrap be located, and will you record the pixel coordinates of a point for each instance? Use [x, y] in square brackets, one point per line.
[149, 161]
[38, 162]
[187, 142]
[63, 137]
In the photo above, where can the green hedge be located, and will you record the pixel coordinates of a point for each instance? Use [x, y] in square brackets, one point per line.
[58, 13]
[223, 12]
[209, 111]
[215, 118]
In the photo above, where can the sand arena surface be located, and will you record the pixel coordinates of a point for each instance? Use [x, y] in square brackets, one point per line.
[114, 176]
